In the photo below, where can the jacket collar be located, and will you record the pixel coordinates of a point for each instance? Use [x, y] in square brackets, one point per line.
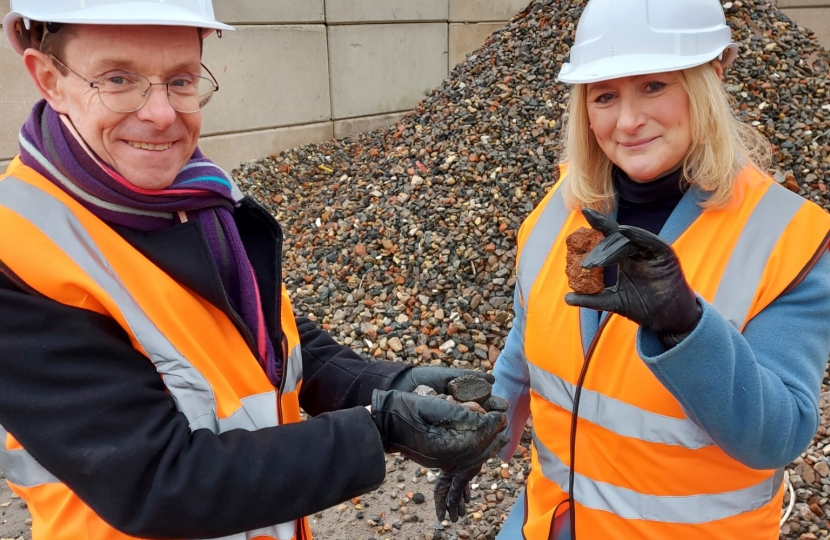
[183, 253]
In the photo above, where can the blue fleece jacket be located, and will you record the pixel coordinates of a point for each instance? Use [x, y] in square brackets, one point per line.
[755, 394]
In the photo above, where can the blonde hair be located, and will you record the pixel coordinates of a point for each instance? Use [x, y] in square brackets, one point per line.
[721, 147]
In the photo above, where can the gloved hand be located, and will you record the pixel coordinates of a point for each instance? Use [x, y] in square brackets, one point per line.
[651, 288]
[435, 433]
[437, 378]
[452, 492]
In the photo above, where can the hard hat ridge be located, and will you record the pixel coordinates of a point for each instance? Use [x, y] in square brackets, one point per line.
[621, 38]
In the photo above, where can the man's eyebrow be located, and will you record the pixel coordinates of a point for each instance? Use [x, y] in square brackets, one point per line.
[125, 64]
[107, 64]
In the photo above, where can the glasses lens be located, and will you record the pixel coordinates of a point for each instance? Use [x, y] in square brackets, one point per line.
[123, 92]
[189, 93]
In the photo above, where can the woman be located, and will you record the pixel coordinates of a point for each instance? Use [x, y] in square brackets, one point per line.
[667, 405]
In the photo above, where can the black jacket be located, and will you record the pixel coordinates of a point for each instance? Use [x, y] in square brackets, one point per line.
[94, 412]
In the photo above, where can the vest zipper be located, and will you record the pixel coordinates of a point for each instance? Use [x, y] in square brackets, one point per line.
[243, 328]
[276, 230]
[278, 302]
[574, 418]
[284, 350]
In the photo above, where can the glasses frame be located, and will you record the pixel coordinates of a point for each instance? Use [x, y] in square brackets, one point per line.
[95, 85]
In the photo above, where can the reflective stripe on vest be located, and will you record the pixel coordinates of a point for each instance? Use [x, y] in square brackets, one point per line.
[743, 273]
[733, 300]
[294, 370]
[617, 416]
[189, 388]
[539, 243]
[746, 266]
[21, 468]
[629, 504]
[737, 287]
[283, 531]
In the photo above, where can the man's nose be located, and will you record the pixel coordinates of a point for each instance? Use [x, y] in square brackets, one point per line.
[157, 109]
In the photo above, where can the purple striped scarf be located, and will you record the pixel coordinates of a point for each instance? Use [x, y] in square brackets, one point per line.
[50, 145]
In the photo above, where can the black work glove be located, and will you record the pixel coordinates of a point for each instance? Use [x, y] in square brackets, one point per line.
[437, 378]
[435, 433]
[452, 492]
[651, 289]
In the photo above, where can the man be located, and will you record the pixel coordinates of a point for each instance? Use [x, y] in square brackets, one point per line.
[151, 369]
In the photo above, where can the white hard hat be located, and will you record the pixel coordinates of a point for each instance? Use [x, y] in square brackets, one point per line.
[195, 13]
[623, 38]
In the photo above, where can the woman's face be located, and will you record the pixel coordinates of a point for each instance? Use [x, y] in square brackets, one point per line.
[641, 123]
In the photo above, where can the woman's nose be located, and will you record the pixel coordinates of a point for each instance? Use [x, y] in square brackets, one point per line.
[632, 116]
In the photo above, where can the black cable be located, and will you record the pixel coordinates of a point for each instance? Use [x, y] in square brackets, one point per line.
[574, 419]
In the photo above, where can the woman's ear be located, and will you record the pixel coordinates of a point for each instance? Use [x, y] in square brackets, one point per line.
[47, 78]
[718, 68]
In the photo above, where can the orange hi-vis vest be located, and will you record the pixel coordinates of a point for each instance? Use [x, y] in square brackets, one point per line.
[72, 257]
[642, 468]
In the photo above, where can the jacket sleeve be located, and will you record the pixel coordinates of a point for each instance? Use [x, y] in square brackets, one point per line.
[334, 376]
[513, 380]
[94, 412]
[756, 394]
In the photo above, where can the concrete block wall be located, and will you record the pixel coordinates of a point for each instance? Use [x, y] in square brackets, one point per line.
[301, 71]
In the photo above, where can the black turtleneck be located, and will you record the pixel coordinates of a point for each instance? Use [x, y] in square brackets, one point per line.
[647, 204]
[644, 204]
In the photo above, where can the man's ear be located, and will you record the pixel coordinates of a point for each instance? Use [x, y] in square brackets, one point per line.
[47, 78]
[718, 67]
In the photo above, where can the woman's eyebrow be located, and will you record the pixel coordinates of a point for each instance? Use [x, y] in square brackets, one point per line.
[599, 87]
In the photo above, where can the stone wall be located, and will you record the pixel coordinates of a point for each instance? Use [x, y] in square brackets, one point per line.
[301, 71]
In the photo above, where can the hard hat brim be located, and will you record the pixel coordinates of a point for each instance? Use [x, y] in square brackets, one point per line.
[639, 64]
[163, 15]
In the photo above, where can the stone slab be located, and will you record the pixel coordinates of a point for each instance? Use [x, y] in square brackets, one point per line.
[816, 19]
[229, 151]
[17, 96]
[353, 126]
[804, 3]
[485, 10]
[384, 68]
[269, 11]
[357, 11]
[465, 38]
[4, 8]
[269, 76]
[4, 164]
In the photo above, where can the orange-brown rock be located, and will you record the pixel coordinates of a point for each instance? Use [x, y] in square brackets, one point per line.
[582, 280]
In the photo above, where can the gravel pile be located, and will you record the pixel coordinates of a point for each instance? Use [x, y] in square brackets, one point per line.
[402, 241]
[403, 506]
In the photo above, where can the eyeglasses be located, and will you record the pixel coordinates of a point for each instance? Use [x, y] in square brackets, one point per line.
[124, 92]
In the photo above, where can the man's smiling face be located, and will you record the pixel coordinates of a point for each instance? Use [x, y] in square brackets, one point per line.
[150, 146]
